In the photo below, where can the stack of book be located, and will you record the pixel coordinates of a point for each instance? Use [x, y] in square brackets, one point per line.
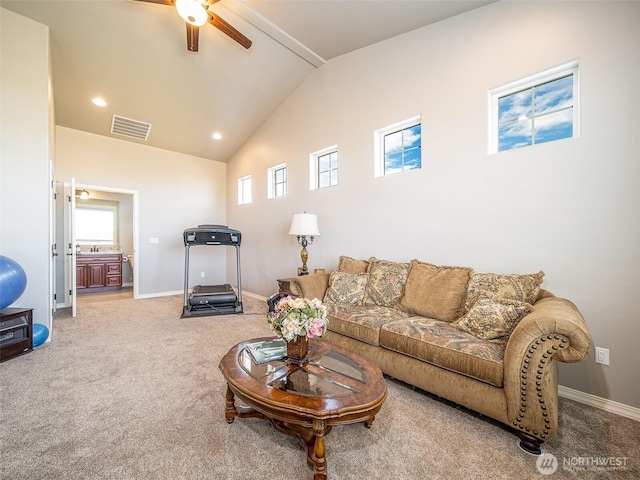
[267, 351]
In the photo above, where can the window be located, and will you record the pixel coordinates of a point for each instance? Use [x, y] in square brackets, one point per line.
[398, 147]
[97, 223]
[244, 190]
[277, 178]
[324, 168]
[538, 109]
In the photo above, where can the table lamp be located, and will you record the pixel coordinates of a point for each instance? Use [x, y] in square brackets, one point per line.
[304, 226]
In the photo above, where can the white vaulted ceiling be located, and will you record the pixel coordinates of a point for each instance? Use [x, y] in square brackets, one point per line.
[134, 55]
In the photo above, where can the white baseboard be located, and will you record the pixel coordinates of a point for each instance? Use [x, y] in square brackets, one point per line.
[176, 292]
[254, 295]
[599, 402]
[181, 292]
[161, 294]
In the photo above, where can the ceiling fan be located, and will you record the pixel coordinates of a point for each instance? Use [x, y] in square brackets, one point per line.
[196, 13]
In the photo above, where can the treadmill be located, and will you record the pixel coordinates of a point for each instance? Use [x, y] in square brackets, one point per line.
[205, 300]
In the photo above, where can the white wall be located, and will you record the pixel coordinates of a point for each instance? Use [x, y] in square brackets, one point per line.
[176, 191]
[25, 157]
[570, 208]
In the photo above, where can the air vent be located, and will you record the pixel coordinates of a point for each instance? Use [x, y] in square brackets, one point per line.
[130, 128]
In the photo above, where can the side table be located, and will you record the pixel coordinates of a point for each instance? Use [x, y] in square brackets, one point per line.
[284, 285]
[16, 332]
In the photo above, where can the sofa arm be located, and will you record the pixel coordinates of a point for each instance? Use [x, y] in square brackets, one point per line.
[555, 330]
[310, 286]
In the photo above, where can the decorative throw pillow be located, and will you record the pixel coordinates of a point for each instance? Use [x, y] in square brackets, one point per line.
[386, 282]
[493, 317]
[523, 288]
[349, 265]
[435, 292]
[346, 288]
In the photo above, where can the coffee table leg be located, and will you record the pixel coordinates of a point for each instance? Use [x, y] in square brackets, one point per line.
[369, 421]
[230, 408]
[320, 462]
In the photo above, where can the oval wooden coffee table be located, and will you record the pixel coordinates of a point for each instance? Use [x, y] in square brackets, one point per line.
[335, 387]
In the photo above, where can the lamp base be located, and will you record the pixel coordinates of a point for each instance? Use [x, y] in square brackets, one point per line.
[304, 256]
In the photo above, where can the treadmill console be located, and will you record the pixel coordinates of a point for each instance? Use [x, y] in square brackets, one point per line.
[212, 235]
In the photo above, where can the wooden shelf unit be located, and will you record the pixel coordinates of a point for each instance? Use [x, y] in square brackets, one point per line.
[16, 332]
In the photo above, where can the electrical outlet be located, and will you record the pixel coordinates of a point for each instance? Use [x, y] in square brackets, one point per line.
[602, 355]
[201, 274]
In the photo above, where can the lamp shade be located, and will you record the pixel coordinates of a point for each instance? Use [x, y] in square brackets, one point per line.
[304, 224]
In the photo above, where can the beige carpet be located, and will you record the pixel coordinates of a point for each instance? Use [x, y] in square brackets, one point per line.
[128, 390]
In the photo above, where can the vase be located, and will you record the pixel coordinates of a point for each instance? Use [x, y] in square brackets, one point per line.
[297, 350]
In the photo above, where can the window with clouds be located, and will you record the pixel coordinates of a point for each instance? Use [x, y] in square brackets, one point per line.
[398, 147]
[538, 109]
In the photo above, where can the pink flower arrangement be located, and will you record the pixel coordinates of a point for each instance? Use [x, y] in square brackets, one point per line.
[298, 317]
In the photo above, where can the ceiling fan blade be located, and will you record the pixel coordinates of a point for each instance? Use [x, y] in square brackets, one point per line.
[159, 2]
[193, 33]
[227, 29]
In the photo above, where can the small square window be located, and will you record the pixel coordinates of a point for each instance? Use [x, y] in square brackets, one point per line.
[538, 109]
[323, 168]
[398, 148]
[277, 178]
[244, 190]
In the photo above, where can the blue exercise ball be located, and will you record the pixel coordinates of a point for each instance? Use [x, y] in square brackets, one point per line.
[40, 334]
[13, 281]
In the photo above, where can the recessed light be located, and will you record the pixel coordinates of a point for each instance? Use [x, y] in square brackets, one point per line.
[217, 136]
[99, 102]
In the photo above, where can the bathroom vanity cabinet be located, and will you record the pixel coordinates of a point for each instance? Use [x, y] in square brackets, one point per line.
[98, 272]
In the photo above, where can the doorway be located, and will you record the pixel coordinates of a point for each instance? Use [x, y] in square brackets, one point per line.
[123, 207]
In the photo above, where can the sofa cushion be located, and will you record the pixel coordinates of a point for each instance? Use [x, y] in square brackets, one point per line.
[493, 317]
[435, 292]
[295, 289]
[346, 288]
[386, 282]
[360, 322]
[445, 345]
[310, 286]
[350, 265]
[523, 288]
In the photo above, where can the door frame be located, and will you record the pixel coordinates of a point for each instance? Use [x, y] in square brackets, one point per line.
[69, 244]
[135, 228]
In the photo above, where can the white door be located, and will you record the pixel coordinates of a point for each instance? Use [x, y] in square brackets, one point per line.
[54, 246]
[70, 242]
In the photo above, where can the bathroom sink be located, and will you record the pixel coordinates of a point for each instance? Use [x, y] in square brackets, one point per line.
[84, 254]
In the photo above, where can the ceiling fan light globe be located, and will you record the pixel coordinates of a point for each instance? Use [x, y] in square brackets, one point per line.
[192, 11]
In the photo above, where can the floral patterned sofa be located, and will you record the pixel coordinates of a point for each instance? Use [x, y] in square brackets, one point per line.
[487, 341]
